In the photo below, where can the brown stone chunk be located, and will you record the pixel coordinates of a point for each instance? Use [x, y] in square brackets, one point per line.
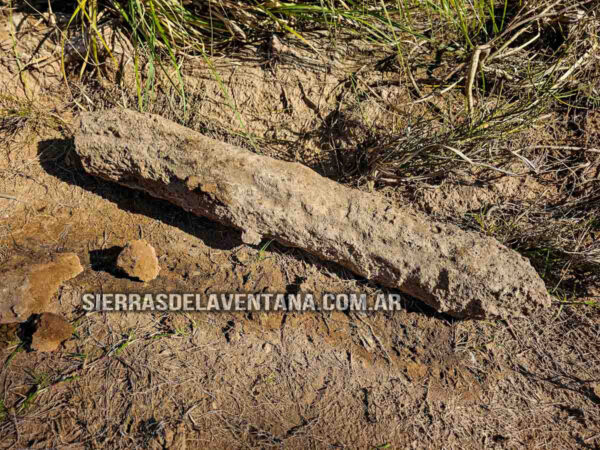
[28, 290]
[138, 260]
[50, 331]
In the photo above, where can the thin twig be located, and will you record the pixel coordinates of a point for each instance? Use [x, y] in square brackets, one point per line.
[475, 163]
[474, 66]
[559, 147]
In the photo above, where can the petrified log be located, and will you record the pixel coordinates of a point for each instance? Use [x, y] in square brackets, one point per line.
[457, 272]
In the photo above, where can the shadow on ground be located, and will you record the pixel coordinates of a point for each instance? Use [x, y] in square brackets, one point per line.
[58, 158]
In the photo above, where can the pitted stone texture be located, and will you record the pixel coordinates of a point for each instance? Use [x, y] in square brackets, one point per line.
[28, 290]
[50, 331]
[138, 260]
[457, 272]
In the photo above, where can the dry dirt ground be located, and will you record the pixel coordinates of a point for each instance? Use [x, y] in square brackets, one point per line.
[409, 379]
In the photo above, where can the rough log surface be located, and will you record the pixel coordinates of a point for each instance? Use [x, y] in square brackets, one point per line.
[454, 271]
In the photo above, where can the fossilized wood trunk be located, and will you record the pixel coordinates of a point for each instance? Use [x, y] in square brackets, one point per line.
[457, 272]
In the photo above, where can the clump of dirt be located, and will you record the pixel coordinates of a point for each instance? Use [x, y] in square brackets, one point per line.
[138, 260]
[471, 195]
[28, 288]
[50, 330]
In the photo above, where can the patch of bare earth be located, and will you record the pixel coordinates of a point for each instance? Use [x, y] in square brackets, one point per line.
[410, 379]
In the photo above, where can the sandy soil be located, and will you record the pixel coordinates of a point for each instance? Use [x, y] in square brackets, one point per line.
[410, 379]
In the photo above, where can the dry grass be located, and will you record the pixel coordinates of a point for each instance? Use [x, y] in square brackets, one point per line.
[413, 379]
[501, 89]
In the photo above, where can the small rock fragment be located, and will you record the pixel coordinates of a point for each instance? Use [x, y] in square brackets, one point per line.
[138, 260]
[27, 290]
[251, 237]
[267, 347]
[50, 331]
